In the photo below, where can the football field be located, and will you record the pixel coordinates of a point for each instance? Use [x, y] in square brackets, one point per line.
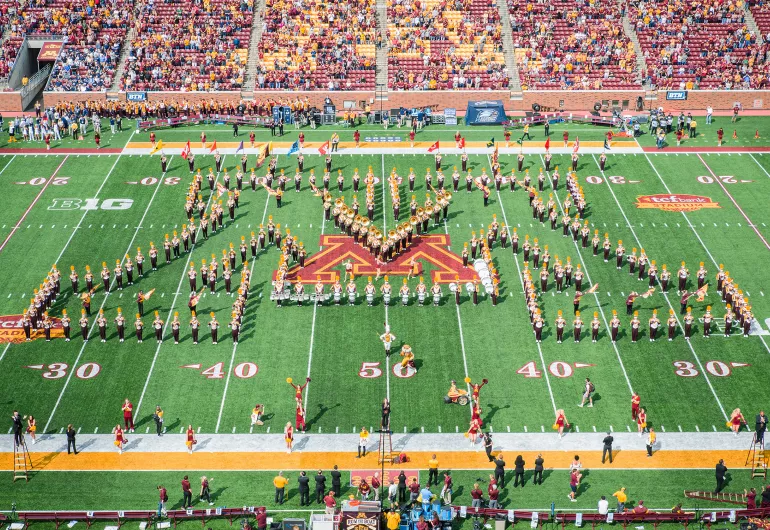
[81, 209]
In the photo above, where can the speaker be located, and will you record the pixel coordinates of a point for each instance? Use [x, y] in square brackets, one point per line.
[536, 107]
[597, 106]
[640, 103]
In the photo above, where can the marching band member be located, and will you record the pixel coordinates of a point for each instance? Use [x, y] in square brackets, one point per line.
[351, 290]
[436, 292]
[386, 291]
[404, 293]
[369, 291]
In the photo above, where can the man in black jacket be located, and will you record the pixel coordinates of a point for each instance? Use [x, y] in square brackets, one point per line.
[760, 427]
[538, 476]
[17, 428]
[500, 471]
[71, 439]
[402, 487]
[488, 446]
[336, 481]
[320, 487]
[721, 469]
[607, 449]
[304, 489]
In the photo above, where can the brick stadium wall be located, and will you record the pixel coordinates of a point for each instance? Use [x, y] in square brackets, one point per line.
[10, 102]
[570, 101]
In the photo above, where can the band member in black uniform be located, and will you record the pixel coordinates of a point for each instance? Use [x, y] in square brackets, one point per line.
[194, 327]
[464, 161]
[244, 161]
[191, 162]
[120, 322]
[139, 328]
[65, 324]
[575, 159]
[602, 161]
[163, 163]
[83, 325]
[101, 322]
[175, 325]
[218, 161]
[547, 162]
[74, 279]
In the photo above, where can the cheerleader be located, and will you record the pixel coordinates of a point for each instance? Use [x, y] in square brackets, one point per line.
[561, 422]
[300, 417]
[120, 440]
[288, 436]
[473, 431]
[190, 439]
[736, 418]
[641, 420]
[31, 427]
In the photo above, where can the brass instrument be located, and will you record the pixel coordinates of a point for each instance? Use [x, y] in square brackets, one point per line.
[339, 202]
[413, 220]
[420, 211]
[365, 222]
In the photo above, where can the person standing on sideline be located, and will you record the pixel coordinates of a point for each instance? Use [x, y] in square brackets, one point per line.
[760, 426]
[494, 496]
[720, 471]
[651, 437]
[477, 496]
[426, 495]
[320, 486]
[162, 500]
[363, 437]
[500, 470]
[574, 480]
[336, 481]
[446, 491]
[158, 419]
[402, 487]
[261, 518]
[330, 502]
[304, 489]
[186, 493]
[393, 494]
[488, 446]
[603, 506]
[537, 478]
[519, 471]
[71, 439]
[17, 428]
[709, 114]
[205, 494]
[376, 483]
[607, 448]
[280, 483]
[621, 496]
[191, 441]
[432, 471]
[393, 519]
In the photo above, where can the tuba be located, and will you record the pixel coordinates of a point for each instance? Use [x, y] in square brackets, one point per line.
[413, 220]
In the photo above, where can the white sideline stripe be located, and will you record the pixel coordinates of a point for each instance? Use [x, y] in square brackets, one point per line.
[101, 306]
[235, 346]
[173, 303]
[521, 280]
[596, 297]
[689, 343]
[714, 261]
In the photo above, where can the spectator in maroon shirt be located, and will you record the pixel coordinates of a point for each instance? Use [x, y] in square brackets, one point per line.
[330, 502]
[261, 517]
[414, 492]
[186, 493]
[494, 494]
[422, 524]
[477, 497]
[640, 508]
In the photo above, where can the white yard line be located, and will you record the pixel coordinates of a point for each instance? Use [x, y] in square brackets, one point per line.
[665, 295]
[33, 203]
[588, 277]
[521, 281]
[385, 231]
[312, 326]
[697, 235]
[5, 350]
[173, 302]
[735, 203]
[104, 301]
[235, 346]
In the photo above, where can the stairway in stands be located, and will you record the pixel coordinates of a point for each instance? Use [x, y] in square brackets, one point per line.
[510, 52]
[382, 53]
[641, 65]
[751, 23]
[250, 77]
[120, 71]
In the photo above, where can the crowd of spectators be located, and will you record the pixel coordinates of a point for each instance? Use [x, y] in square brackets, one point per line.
[189, 45]
[572, 45]
[445, 44]
[699, 44]
[314, 45]
[94, 31]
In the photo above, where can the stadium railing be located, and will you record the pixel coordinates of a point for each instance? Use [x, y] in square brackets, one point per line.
[121, 517]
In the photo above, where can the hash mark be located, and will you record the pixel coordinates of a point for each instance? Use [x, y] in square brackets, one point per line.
[663, 428]
[594, 428]
[680, 428]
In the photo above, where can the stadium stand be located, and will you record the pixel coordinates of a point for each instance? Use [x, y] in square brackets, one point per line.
[443, 44]
[94, 33]
[189, 45]
[318, 46]
[572, 45]
[699, 45]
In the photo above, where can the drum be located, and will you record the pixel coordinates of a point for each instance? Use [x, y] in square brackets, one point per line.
[452, 287]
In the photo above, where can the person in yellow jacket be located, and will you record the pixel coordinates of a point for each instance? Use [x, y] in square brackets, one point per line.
[651, 437]
[393, 519]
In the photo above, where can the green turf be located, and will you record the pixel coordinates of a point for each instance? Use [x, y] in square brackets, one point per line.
[496, 342]
[137, 490]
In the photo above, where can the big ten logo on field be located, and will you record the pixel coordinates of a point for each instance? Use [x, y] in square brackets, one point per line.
[387, 475]
[63, 204]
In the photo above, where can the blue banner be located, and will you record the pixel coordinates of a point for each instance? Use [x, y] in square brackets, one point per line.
[490, 112]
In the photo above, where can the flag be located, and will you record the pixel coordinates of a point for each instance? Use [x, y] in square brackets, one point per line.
[263, 154]
[221, 189]
[157, 147]
[495, 153]
[148, 294]
[186, 150]
[433, 147]
[547, 143]
[606, 144]
[491, 143]
[648, 292]
[462, 143]
[701, 293]
[520, 141]
[593, 289]
[577, 145]
[240, 148]
[294, 148]
[324, 148]
[213, 147]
